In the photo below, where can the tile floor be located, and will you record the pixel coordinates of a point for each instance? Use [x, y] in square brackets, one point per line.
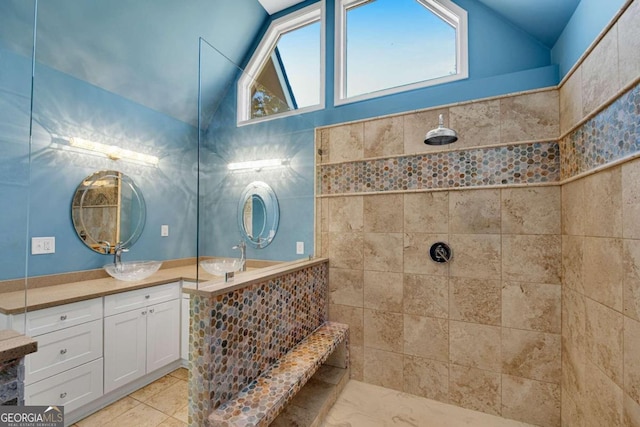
[164, 404]
[161, 403]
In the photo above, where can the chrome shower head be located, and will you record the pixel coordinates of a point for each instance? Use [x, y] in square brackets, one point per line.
[441, 135]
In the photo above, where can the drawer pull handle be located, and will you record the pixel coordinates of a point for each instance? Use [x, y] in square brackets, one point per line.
[63, 317]
[63, 395]
[63, 351]
[147, 296]
[144, 312]
[151, 311]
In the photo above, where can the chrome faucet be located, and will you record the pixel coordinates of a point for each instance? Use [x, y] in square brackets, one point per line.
[117, 253]
[243, 254]
[106, 246]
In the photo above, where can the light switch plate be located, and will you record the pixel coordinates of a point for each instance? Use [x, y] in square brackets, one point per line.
[299, 248]
[43, 245]
[164, 230]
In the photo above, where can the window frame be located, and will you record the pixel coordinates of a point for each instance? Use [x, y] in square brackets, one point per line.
[446, 10]
[277, 27]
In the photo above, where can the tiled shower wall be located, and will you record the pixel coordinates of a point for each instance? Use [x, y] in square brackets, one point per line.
[482, 332]
[485, 332]
[601, 233]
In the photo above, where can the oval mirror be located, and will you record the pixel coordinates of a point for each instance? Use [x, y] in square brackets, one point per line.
[258, 214]
[108, 209]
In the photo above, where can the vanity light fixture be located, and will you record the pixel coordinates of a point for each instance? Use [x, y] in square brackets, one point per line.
[257, 164]
[113, 152]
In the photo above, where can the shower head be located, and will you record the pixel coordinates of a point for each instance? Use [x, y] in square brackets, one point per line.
[441, 135]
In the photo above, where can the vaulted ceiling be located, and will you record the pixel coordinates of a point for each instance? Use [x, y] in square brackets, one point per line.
[147, 50]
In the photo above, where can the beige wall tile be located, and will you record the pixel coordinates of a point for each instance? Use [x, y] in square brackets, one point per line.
[603, 203]
[572, 413]
[629, 44]
[531, 210]
[426, 337]
[383, 251]
[603, 271]
[475, 256]
[475, 300]
[573, 373]
[476, 123]
[475, 389]
[600, 78]
[631, 199]
[603, 399]
[352, 316]
[322, 145]
[528, 258]
[573, 262]
[631, 291]
[530, 401]
[474, 211]
[533, 355]
[383, 291]
[383, 368]
[384, 137]
[532, 306]
[474, 345]
[574, 321]
[631, 412]
[573, 208]
[346, 250]
[416, 126]
[632, 358]
[346, 142]
[426, 212]
[345, 214]
[571, 101]
[530, 116]
[356, 362]
[416, 254]
[346, 287]
[384, 213]
[604, 334]
[383, 330]
[426, 378]
[426, 295]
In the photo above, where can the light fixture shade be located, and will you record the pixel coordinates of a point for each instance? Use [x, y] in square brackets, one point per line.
[441, 135]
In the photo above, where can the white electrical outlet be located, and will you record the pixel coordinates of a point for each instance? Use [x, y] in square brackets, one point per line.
[299, 248]
[43, 245]
[164, 230]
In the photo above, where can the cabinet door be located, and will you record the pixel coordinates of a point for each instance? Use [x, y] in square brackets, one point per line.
[163, 334]
[124, 348]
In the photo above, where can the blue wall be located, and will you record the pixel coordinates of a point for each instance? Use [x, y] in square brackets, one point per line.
[587, 22]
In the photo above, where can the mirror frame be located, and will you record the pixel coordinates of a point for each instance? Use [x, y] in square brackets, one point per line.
[93, 242]
[271, 213]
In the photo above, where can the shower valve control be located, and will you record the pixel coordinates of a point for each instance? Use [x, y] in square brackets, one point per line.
[440, 252]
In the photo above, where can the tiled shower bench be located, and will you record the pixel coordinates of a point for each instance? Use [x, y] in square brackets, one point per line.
[259, 403]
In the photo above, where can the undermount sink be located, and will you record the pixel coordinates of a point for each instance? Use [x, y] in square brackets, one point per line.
[219, 267]
[131, 271]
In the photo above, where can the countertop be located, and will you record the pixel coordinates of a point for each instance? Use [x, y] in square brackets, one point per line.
[209, 285]
[14, 345]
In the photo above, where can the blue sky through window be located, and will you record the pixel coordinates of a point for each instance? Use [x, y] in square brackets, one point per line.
[392, 43]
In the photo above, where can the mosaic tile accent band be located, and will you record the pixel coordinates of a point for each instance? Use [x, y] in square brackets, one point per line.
[259, 403]
[612, 134]
[236, 336]
[531, 163]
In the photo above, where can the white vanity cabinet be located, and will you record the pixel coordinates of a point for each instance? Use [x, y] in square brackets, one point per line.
[141, 333]
[67, 368]
[184, 336]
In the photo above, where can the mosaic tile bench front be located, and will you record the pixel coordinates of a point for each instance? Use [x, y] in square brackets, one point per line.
[259, 403]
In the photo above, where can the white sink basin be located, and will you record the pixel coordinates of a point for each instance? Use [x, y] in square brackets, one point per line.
[131, 271]
[219, 267]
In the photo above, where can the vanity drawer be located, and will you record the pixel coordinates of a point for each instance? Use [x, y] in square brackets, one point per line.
[71, 389]
[132, 300]
[62, 316]
[64, 349]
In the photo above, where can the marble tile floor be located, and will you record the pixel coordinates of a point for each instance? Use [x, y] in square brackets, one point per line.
[366, 405]
[162, 403]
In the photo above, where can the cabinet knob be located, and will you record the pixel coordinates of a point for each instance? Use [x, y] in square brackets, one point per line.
[144, 312]
[63, 395]
[147, 296]
[151, 310]
[63, 351]
[63, 317]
